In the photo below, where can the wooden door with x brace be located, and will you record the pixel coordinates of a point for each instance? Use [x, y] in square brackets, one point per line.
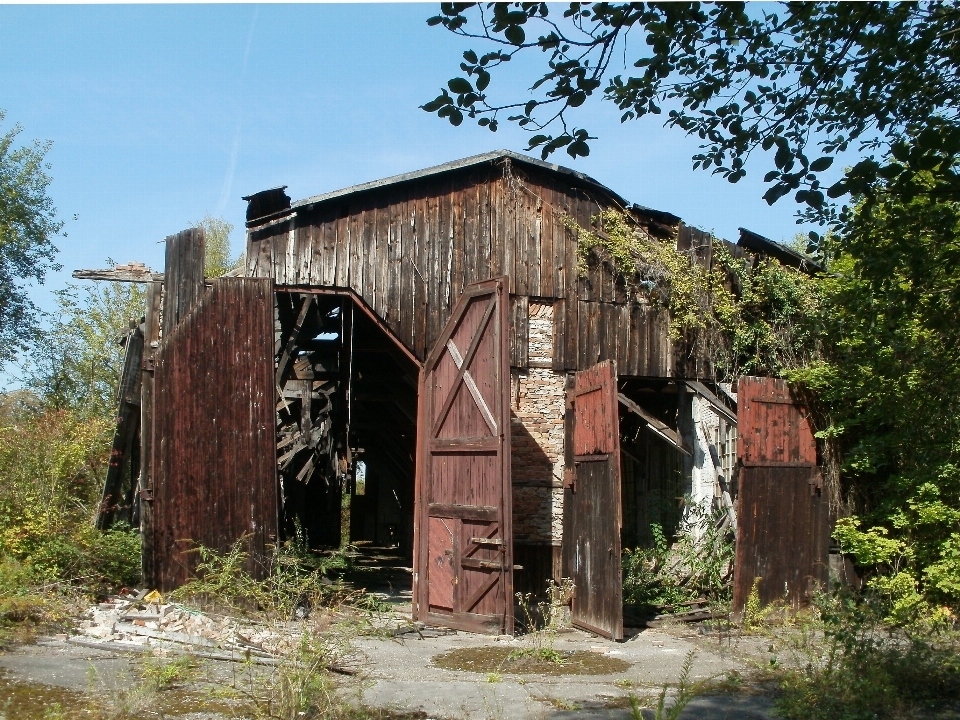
[464, 565]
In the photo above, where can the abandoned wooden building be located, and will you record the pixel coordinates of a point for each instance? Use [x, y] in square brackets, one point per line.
[425, 351]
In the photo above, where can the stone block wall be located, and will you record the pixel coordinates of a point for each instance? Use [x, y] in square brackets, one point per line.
[537, 404]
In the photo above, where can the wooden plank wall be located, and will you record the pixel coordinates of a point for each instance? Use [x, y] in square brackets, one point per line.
[214, 453]
[409, 249]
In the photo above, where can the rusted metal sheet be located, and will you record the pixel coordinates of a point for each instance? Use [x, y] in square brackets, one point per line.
[592, 504]
[464, 544]
[783, 532]
[214, 455]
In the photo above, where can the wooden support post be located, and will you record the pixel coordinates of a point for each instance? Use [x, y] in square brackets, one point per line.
[286, 358]
[182, 289]
[151, 332]
[655, 425]
[183, 276]
[127, 421]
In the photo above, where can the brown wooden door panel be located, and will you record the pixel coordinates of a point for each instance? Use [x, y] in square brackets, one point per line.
[592, 504]
[464, 564]
[214, 447]
[783, 533]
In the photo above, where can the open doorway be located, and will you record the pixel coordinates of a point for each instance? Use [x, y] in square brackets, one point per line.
[346, 438]
[652, 464]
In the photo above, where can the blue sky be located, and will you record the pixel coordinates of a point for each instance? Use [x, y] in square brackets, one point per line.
[161, 114]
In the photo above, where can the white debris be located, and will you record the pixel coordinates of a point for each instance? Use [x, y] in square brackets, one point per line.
[128, 620]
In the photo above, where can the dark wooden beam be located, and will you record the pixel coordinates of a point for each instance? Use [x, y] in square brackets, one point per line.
[127, 421]
[145, 492]
[656, 426]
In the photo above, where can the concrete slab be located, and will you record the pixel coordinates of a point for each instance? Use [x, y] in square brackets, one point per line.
[400, 674]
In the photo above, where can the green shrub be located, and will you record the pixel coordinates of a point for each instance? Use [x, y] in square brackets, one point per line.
[699, 564]
[866, 668]
[52, 466]
[293, 580]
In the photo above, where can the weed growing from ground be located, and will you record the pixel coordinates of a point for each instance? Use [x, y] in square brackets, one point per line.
[542, 622]
[295, 583]
[685, 692]
[166, 673]
[850, 664]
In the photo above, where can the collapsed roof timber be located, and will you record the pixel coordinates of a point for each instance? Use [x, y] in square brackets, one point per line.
[424, 347]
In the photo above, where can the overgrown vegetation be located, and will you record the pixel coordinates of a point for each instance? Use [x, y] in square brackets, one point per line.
[316, 618]
[51, 469]
[888, 390]
[748, 315]
[696, 564]
[294, 583]
[850, 663]
[55, 437]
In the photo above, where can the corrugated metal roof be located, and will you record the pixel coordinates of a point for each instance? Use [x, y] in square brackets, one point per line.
[465, 163]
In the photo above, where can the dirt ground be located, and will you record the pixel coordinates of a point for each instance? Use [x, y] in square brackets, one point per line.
[435, 675]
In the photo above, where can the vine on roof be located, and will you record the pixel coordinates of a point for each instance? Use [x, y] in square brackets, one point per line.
[748, 315]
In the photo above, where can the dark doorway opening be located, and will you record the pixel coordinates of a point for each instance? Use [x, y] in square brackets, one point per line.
[346, 437]
[652, 467]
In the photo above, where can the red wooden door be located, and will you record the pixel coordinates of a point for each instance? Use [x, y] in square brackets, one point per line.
[783, 533]
[464, 542]
[592, 504]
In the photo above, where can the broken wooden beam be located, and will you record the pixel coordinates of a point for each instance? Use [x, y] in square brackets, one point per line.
[135, 272]
[128, 419]
[703, 391]
[286, 357]
[655, 425]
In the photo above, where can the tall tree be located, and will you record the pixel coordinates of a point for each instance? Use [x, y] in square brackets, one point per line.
[803, 81]
[79, 358]
[890, 382]
[28, 224]
[218, 258]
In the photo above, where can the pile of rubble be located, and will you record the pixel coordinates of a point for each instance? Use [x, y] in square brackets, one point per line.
[144, 621]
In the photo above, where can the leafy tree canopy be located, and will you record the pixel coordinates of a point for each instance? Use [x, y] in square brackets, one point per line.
[889, 380]
[77, 362]
[28, 222]
[217, 256]
[803, 81]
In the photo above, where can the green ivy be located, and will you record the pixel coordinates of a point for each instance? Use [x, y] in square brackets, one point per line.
[750, 315]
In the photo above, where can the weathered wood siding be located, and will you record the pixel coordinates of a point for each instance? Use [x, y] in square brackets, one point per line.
[408, 249]
[591, 504]
[214, 451]
[783, 526]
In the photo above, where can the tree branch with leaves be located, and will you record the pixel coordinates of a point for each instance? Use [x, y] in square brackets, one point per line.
[805, 82]
[28, 224]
